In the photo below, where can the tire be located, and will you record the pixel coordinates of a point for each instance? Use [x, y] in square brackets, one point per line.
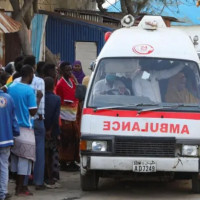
[195, 183]
[89, 181]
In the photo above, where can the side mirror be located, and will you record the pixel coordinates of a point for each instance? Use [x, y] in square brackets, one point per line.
[80, 92]
[92, 66]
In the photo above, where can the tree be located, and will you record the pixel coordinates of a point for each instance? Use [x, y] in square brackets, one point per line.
[100, 5]
[24, 15]
[24, 10]
[134, 7]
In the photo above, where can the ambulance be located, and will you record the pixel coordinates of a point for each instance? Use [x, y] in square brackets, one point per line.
[141, 113]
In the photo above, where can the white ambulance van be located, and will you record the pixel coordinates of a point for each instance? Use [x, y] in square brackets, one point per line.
[141, 114]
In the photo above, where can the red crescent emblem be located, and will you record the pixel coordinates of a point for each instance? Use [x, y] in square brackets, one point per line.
[143, 49]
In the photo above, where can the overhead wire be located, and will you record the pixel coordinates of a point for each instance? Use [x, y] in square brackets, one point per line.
[113, 6]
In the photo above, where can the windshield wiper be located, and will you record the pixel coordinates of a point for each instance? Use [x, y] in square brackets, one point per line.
[167, 107]
[123, 106]
[112, 107]
[158, 107]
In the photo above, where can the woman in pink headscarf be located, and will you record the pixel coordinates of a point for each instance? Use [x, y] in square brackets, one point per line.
[78, 71]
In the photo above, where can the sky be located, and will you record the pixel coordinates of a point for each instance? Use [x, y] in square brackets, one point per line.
[108, 2]
[186, 11]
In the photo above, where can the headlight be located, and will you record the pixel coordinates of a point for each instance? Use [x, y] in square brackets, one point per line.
[98, 146]
[189, 150]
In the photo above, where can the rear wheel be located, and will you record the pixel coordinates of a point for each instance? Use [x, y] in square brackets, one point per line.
[196, 183]
[89, 181]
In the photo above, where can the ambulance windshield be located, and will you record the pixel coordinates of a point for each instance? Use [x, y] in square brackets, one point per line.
[128, 81]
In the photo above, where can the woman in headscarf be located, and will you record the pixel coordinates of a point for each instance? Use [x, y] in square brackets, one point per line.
[78, 71]
[177, 91]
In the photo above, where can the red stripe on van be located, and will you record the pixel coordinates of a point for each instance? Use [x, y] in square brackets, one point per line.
[149, 114]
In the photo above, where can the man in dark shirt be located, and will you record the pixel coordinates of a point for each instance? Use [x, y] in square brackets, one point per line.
[51, 122]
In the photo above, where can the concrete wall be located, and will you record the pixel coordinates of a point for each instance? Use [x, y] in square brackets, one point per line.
[5, 4]
[50, 5]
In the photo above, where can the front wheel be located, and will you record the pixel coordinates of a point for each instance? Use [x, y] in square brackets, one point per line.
[89, 181]
[196, 183]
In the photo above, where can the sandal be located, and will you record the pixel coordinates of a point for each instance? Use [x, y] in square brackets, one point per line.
[24, 193]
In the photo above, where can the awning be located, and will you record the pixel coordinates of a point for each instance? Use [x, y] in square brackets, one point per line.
[7, 24]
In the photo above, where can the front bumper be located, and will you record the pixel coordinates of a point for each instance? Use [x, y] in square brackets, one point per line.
[181, 164]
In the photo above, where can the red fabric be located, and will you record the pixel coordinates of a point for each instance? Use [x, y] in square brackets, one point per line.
[60, 121]
[65, 91]
[69, 148]
[54, 91]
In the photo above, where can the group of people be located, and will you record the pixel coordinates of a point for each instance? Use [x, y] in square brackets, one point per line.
[39, 122]
[145, 82]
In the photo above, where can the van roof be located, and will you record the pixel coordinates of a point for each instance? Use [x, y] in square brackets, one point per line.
[164, 42]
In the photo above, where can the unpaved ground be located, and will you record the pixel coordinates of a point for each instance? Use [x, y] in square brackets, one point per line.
[110, 189]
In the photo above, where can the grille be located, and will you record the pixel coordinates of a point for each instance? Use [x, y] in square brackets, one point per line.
[145, 147]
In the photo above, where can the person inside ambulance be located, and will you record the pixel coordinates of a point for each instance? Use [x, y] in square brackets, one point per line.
[177, 91]
[119, 88]
[105, 85]
[127, 78]
[146, 81]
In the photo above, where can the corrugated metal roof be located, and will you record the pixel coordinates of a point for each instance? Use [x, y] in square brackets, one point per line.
[93, 18]
[7, 24]
[91, 14]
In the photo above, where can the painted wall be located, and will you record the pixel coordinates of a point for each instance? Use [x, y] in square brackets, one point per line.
[5, 4]
[50, 5]
[62, 35]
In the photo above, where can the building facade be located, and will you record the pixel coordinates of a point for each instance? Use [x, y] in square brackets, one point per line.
[74, 38]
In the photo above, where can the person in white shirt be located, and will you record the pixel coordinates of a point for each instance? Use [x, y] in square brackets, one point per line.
[104, 85]
[146, 82]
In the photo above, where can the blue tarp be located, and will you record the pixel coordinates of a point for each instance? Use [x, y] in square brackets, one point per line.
[186, 10]
[38, 28]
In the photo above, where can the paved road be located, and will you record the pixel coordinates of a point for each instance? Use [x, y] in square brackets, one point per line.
[113, 190]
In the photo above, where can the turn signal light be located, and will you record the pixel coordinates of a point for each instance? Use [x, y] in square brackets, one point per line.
[83, 145]
[107, 35]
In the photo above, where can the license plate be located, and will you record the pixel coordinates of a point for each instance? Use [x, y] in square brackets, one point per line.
[144, 166]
